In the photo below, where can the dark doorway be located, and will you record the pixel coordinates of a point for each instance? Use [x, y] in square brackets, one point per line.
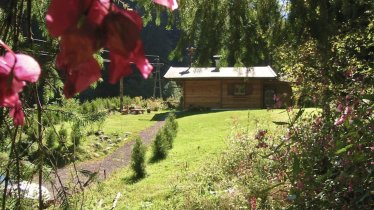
[269, 93]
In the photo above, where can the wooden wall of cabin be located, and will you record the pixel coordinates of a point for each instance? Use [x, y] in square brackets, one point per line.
[218, 93]
[252, 97]
[202, 93]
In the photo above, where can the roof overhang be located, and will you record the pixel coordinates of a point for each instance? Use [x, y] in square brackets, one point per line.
[180, 73]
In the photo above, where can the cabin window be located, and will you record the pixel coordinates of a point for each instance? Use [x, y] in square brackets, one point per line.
[239, 89]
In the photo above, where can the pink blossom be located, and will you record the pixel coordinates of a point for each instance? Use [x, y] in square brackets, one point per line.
[120, 67]
[80, 77]
[277, 101]
[62, 15]
[17, 114]
[15, 71]
[172, 4]
[77, 45]
[347, 110]
[339, 107]
[253, 203]
[260, 134]
[121, 32]
[93, 25]
[340, 120]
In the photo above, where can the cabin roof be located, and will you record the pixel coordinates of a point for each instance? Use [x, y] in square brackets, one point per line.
[222, 72]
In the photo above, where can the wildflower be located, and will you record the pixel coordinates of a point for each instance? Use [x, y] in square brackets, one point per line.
[260, 134]
[340, 107]
[253, 203]
[278, 102]
[172, 4]
[15, 71]
[87, 26]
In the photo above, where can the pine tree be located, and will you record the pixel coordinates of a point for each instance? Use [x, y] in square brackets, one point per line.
[138, 159]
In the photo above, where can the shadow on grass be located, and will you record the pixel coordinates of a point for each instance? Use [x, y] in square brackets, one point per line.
[154, 160]
[180, 114]
[132, 179]
[160, 116]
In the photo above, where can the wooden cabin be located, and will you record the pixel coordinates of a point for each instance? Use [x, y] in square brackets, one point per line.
[230, 87]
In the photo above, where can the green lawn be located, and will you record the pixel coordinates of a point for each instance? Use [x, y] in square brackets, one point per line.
[116, 126]
[200, 139]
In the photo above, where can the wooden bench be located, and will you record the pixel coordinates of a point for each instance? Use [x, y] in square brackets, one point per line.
[137, 111]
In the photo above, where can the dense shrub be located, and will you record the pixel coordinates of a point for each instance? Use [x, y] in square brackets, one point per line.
[169, 134]
[63, 135]
[155, 104]
[172, 122]
[159, 146]
[51, 138]
[76, 135]
[138, 159]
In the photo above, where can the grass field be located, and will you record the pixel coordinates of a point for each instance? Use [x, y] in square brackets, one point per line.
[115, 126]
[200, 140]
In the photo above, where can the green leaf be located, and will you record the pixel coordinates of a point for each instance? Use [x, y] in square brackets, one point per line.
[298, 115]
[295, 165]
[344, 149]
[280, 123]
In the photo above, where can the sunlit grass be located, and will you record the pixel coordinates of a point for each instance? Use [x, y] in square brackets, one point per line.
[200, 140]
[119, 128]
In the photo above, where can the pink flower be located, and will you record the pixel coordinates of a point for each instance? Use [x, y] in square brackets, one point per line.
[17, 114]
[78, 45]
[347, 110]
[340, 120]
[277, 101]
[339, 107]
[15, 71]
[122, 31]
[62, 15]
[92, 25]
[253, 202]
[80, 77]
[172, 4]
[120, 67]
[260, 134]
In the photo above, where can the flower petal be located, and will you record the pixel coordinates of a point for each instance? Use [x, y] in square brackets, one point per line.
[4, 68]
[141, 61]
[118, 67]
[26, 67]
[121, 32]
[172, 4]
[17, 114]
[63, 14]
[9, 91]
[98, 10]
[81, 77]
[78, 44]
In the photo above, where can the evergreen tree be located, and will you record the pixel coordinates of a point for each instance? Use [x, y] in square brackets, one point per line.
[138, 159]
[159, 146]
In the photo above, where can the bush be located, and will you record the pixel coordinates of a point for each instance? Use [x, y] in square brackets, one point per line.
[51, 139]
[169, 136]
[63, 135]
[170, 130]
[76, 135]
[172, 122]
[155, 104]
[159, 146]
[138, 159]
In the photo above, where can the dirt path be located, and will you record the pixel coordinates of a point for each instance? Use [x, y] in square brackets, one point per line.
[106, 166]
